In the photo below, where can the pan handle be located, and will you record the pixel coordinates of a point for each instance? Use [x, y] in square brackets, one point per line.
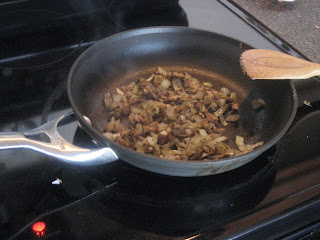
[55, 145]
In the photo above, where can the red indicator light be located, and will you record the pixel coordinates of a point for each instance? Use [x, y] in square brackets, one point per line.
[39, 228]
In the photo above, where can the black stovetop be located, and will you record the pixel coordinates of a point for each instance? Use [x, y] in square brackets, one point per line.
[272, 196]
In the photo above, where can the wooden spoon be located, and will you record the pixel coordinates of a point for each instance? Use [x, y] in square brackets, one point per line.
[268, 64]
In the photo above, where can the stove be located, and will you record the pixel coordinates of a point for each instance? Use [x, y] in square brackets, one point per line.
[277, 195]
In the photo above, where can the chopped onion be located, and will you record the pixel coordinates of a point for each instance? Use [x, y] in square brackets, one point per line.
[163, 132]
[233, 118]
[108, 135]
[199, 95]
[177, 84]
[219, 112]
[119, 91]
[221, 102]
[136, 109]
[138, 130]
[220, 139]
[117, 98]
[175, 116]
[233, 97]
[188, 131]
[110, 125]
[239, 140]
[150, 78]
[151, 140]
[208, 84]
[170, 112]
[135, 89]
[162, 71]
[225, 90]
[165, 84]
[223, 120]
[208, 99]
[203, 132]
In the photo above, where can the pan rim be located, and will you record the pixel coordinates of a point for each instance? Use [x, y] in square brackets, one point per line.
[165, 29]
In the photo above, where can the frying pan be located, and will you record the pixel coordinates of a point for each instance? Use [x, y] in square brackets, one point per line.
[127, 56]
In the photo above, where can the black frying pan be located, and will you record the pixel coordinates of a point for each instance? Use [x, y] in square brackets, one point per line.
[124, 57]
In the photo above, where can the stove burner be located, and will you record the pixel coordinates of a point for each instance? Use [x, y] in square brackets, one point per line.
[161, 203]
[31, 32]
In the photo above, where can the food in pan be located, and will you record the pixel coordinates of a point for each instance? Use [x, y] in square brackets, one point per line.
[258, 103]
[173, 115]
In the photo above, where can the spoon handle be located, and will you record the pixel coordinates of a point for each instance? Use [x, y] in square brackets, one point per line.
[269, 64]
